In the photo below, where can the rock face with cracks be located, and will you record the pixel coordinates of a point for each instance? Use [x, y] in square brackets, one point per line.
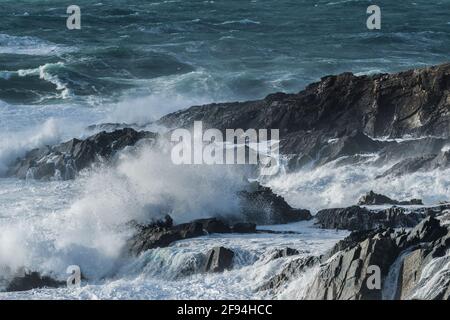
[360, 108]
[372, 198]
[404, 260]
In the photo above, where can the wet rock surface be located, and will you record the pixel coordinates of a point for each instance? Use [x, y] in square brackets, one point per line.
[219, 259]
[261, 206]
[33, 280]
[372, 198]
[283, 253]
[371, 116]
[382, 105]
[65, 160]
[163, 233]
[359, 218]
[404, 260]
[419, 164]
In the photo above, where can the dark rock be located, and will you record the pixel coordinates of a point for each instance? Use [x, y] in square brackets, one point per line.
[163, 233]
[291, 271]
[402, 258]
[154, 236]
[110, 127]
[360, 108]
[357, 218]
[243, 227]
[428, 230]
[422, 163]
[214, 225]
[167, 222]
[372, 198]
[283, 253]
[345, 276]
[219, 259]
[33, 280]
[63, 161]
[262, 206]
[351, 241]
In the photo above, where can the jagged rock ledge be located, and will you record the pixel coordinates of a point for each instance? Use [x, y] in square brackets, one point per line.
[372, 198]
[163, 233]
[33, 280]
[65, 160]
[410, 108]
[402, 257]
[358, 218]
[364, 111]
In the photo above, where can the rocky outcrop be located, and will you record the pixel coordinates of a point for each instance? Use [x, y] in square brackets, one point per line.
[400, 256]
[414, 103]
[219, 259]
[372, 198]
[404, 263]
[291, 271]
[33, 280]
[261, 206]
[163, 233]
[63, 161]
[244, 227]
[346, 275]
[358, 218]
[159, 234]
[283, 253]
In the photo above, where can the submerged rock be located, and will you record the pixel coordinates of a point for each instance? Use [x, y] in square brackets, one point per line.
[33, 280]
[219, 259]
[63, 161]
[372, 198]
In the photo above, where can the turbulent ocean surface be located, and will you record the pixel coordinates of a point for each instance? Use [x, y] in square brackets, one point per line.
[135, 61]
